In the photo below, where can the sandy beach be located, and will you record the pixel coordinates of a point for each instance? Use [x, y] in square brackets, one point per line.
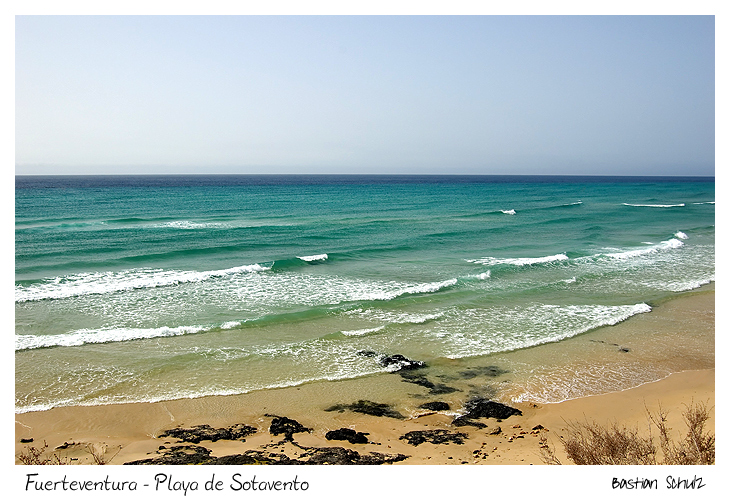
[127, 432]
[119, 434]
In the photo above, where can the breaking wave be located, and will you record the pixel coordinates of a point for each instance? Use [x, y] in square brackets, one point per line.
[117, 281]
[519, 261]
[652, 206]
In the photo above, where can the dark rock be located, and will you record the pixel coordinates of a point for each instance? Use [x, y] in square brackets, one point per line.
[313, 456]
[400, 362]
[26, 440]
[286, 426]
[487, 371]
[394, 362]
[480, 407]
[464, 420]
[624, 349]
[253, 457]
[199, 433]
[343, 456]
[178, 455]
[347, 435]
[435, 406]
[368, 408]
[436, 436]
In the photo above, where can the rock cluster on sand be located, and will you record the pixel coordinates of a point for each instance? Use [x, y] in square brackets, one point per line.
[478, 407]
[190, 454]
[350, 435]
[435, 436]
[205, 432]
[286, 426]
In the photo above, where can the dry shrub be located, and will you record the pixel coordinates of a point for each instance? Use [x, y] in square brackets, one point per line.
[35, 456]
[590, 444]
[697, 447]
[594, 444]
[38, 456]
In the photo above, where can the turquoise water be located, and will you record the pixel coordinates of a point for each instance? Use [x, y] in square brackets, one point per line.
[152, 288]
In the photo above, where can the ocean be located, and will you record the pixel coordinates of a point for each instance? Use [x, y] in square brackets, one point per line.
[151, 288]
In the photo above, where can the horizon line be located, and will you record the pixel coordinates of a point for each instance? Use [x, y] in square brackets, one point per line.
[354, 175]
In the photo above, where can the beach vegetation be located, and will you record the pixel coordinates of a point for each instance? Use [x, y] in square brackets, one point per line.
[32, 455]
[590, 443]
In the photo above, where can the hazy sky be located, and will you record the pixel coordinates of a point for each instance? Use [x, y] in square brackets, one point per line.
[308, 94]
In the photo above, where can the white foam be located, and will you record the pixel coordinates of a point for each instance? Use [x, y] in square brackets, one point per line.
[632, 254]
[364, 331]
[393, 317]
[470, 332]
[519, 261]
[681, 235]
[653, 206]
[117, 281]
[407, 290]
[508, 212]
[230, 324]
[100, 336]
[313, 258]
[186, 224]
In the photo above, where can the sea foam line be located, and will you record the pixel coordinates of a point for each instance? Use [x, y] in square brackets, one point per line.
[314, 258]
[364, 331]
[519, 261]
[117, 281]
[409, 290]
[187, 224]
[100, 336]
[653, 206]
[511, 328]
[631, 254]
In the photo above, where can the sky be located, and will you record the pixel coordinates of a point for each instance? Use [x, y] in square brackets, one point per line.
[568, 95]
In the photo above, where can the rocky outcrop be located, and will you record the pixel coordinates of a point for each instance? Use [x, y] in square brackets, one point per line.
[286, 426]
[436, 436]
[435, 406]
[186, 455]
[350, 435]
[177, 455]
[484, 408]
[204, 432]
[394, 362]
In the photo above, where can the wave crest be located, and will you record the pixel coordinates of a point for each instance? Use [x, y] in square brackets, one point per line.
[652, 206]
[519, 261]
[100, 336]
[63, 287]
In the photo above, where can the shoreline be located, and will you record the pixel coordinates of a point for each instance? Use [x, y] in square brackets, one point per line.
[122, 433]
